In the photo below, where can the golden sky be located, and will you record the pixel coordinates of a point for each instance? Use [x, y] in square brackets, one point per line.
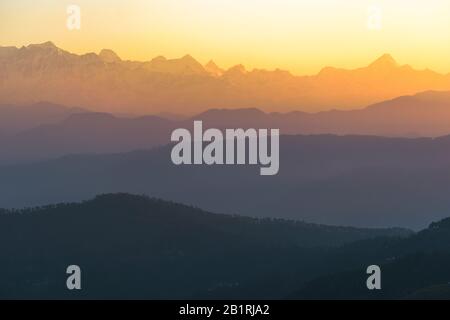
[296, 35]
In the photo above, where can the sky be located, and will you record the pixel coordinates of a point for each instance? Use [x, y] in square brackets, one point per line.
[295, 35]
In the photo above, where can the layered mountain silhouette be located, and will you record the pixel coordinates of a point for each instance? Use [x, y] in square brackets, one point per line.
[44, 131]
[367, 148]
[105, 83]
[349, 180]
[85, 133]
[424, 114]
[137, 247]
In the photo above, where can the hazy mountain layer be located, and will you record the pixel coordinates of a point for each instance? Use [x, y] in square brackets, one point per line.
[423, 114]
[18, 118]
[351, 180]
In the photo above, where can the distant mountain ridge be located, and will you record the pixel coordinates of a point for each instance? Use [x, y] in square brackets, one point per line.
[421, 115]
[106, 83]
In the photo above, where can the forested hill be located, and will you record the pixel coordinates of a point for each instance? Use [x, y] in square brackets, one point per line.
[416, 267]
[126, 212]
[135, 246]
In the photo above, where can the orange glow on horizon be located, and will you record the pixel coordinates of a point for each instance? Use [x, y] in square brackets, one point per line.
[299, 36]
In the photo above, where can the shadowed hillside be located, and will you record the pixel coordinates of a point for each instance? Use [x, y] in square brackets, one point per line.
[158, 249]
[413, 268]
[137, 247]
